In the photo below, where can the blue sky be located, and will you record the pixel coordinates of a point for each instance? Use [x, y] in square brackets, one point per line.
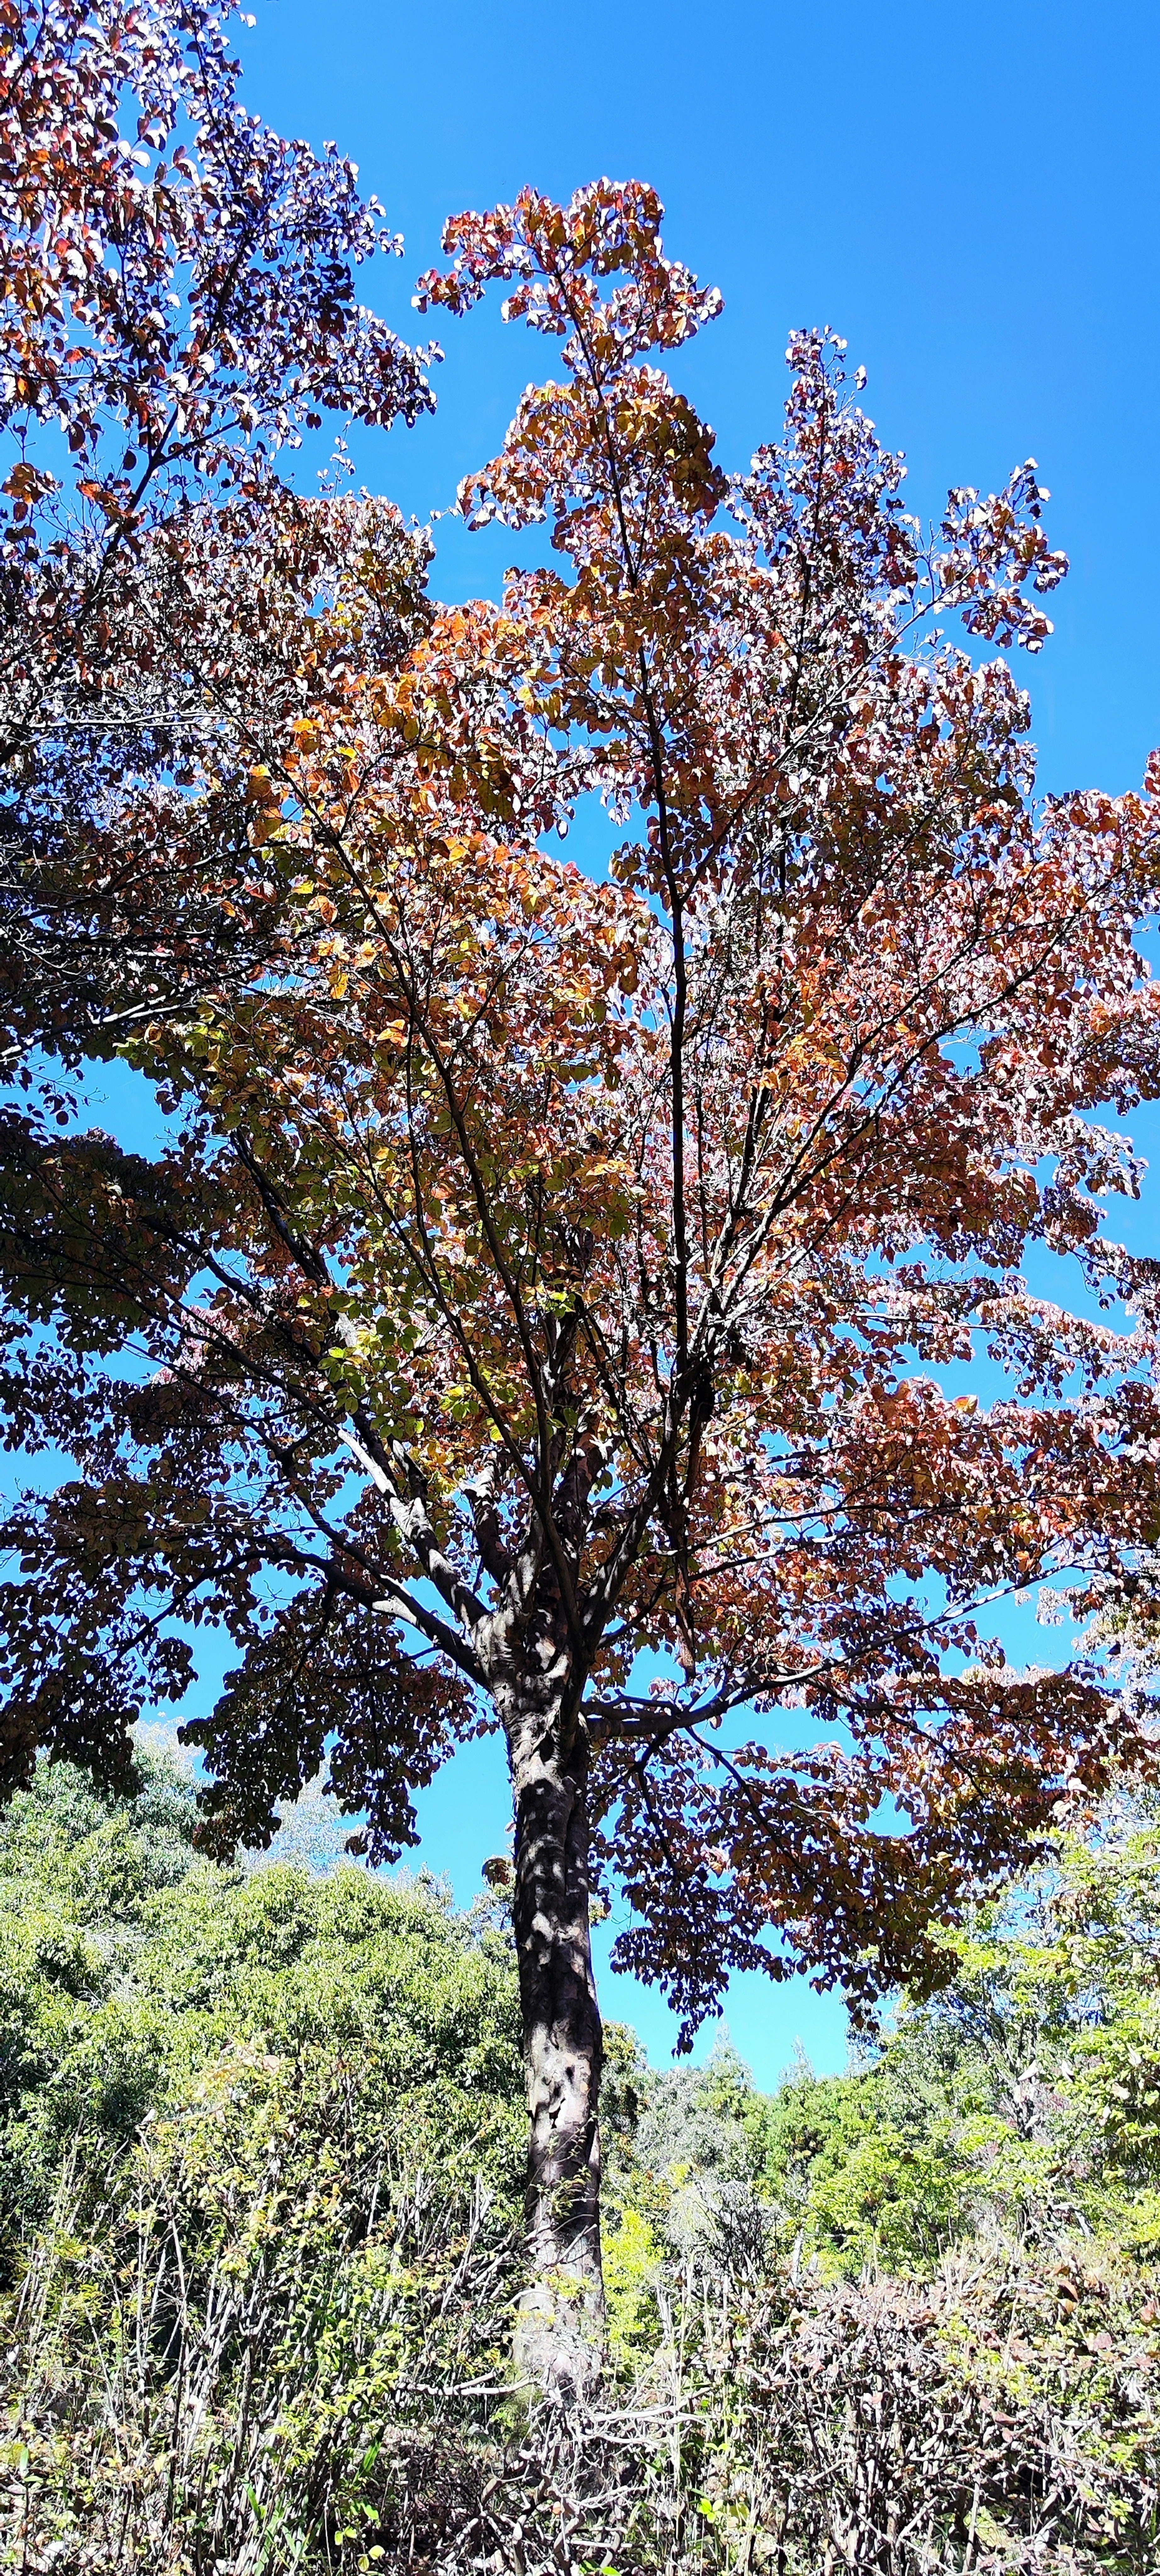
[969, 196]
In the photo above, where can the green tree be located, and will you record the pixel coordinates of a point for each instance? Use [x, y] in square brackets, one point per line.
[132, 1967]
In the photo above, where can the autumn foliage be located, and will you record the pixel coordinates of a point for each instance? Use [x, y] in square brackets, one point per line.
[555, 1268]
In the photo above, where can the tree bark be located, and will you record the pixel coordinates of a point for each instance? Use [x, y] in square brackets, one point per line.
[560, 2329]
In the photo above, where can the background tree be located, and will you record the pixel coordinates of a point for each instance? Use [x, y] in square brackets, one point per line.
[548, 1271]
[178, 304]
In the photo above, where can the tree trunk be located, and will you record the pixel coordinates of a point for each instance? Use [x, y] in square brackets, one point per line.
[560, 2331]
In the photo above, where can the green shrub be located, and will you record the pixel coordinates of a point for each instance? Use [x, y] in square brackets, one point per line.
[130, 1966]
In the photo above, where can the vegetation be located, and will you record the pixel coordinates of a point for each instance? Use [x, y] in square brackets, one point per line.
[545, 1267]
[262, 2162]
[131, 1967]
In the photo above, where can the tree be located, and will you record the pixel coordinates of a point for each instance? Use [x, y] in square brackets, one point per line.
[549, 1270]
[178, 303]
[132, 1968]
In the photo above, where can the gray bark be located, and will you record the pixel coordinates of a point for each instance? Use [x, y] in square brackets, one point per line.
[560, 2331]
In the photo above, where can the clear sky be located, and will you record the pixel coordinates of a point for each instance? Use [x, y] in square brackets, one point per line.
[970, 195]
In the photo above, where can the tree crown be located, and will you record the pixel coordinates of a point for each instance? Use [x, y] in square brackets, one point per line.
[579, 1259]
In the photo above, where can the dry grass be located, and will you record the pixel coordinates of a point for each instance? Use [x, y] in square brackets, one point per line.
[268, 2394]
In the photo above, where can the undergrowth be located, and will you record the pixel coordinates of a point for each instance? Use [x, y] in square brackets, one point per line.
[261, 2204]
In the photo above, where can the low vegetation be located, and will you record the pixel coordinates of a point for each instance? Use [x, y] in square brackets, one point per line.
[262, 2176]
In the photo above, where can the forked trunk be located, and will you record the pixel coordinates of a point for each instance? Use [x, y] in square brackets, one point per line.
[560, 2331]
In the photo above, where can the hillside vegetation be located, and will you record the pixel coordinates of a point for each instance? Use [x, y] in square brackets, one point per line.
[260, 2195]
